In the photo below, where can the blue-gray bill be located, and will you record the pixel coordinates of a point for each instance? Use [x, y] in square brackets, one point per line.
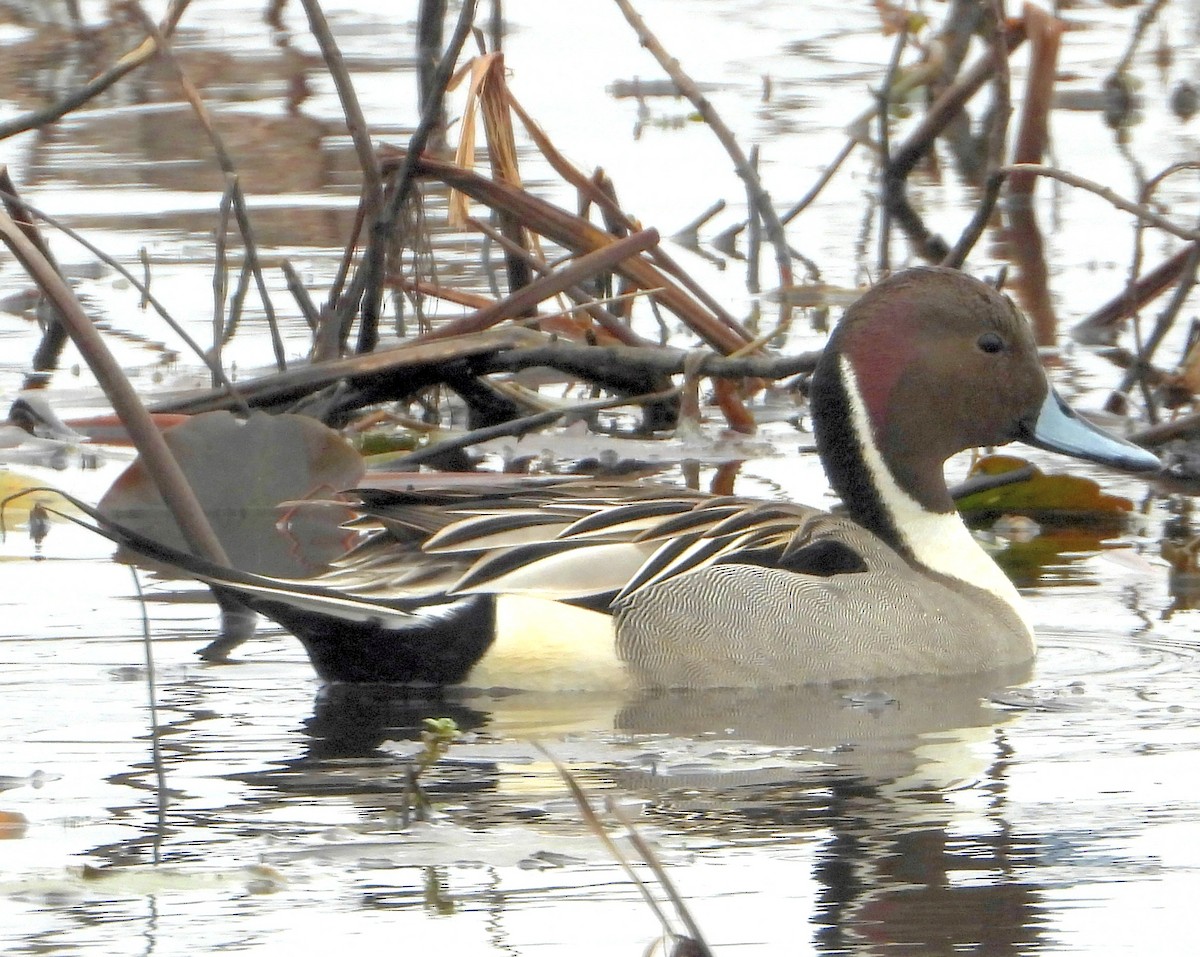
[1058, 428]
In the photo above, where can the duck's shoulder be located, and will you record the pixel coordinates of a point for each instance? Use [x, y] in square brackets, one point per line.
[825, 545]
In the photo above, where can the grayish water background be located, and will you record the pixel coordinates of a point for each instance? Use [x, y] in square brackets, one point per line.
[1056, 817]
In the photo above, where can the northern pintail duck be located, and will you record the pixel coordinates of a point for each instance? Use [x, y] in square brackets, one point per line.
[707, 591]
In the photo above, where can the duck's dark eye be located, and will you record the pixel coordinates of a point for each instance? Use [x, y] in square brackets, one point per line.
[990, 343]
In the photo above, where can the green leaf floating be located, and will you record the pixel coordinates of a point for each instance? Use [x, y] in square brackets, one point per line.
[1048, 499]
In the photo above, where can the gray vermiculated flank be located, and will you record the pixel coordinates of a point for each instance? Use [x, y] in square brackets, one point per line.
[731, 625]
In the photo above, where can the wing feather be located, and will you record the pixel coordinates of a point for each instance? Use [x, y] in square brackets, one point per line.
[562, 540]
[556, 570]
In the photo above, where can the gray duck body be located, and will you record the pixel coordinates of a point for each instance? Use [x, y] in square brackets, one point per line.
[770, 627]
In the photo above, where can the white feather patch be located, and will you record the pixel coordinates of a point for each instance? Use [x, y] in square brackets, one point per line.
[575, 573]
[547, 646]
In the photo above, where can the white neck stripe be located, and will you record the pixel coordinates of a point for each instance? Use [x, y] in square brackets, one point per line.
[939, 541]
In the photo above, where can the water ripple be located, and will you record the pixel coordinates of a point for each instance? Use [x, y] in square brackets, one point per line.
[1114, 675]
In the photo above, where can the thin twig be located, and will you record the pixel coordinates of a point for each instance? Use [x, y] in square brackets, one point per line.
[225, 161]
[1137, 373]
[582, 269]
[220, 279]
[144, 290]
[1146, 350]
[1166, 319]
[296, 287]
[883, 99]
[161, 465]
[1147, 193]
[384, 227]
[753, 237]
[689, 235]
[1145, 18]
[1140, 210]
[46, 356]
[356, 121]
[597, 828]
[144, 259]
[611, 324]
[371, 197]
[957, 255]
[759, 196]
[826, 175]
[143, 53]
[664, 879]
[332, 308]
[237, 302]
[156, 757]
[250, 250]
[997, 138]
[474, 301]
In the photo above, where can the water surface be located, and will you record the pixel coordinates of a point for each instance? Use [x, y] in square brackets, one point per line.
[1043, 811]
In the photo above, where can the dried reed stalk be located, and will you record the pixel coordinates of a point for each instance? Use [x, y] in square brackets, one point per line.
[580, 236]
